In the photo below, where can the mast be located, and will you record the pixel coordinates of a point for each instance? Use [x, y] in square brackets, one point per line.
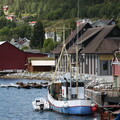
[63, 51]
[61, 54]
[77, 69]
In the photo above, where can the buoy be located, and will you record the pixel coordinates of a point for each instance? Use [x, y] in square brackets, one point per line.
[94, 109]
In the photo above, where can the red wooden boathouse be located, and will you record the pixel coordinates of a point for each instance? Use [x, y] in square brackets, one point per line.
[12, 58]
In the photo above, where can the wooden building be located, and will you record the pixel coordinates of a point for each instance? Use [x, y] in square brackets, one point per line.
[41, 64]
[12, 58]
[96, 48]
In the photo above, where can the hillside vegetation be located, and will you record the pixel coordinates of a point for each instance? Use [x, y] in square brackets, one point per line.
[54, 15]
[64, 9]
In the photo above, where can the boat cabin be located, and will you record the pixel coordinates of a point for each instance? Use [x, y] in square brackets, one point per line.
[70, 90]
[67, 90]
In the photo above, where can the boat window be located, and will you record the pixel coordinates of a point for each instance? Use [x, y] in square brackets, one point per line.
[80, 84]
[73, 96]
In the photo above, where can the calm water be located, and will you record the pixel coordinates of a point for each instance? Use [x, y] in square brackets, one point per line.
[16, 104]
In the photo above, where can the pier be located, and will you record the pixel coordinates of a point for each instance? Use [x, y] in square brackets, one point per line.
[103, 95]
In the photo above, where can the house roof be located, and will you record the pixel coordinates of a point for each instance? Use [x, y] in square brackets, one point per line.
[89, 33]
[57, 50]
[1, 42]
[101, 44]
[95, 40]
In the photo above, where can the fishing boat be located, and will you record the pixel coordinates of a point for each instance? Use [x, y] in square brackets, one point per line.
[63, 97]
[66, 92]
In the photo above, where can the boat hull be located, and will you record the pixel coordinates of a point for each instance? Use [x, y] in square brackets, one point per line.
[76, 107]
[79, 110]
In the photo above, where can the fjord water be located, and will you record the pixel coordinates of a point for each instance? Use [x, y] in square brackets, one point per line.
[16, 104]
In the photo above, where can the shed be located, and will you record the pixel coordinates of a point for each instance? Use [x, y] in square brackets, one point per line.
[41, 64]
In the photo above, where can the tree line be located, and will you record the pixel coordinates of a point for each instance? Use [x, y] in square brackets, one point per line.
[46, 10]
[63, 9]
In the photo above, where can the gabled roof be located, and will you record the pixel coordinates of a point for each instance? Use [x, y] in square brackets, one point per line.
[8, 45]
[94, 41]
[73, 34]
[1, 42]
[101, 44]
[89, 33]
[57, 50]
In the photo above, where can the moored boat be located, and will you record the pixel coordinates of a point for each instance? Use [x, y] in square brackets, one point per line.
[63, 98]
[40, 104]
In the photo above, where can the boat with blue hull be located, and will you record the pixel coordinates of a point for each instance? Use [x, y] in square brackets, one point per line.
[66, 93]
[62, 98]
[70, 108]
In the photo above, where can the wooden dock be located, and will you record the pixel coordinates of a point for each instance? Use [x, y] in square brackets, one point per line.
[98, 96]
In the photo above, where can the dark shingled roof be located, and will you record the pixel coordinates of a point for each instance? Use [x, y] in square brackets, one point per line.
[57, 50]
[101, 44]
[93, 40]
[89, 33]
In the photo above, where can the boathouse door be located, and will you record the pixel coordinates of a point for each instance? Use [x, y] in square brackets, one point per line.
[104, 67]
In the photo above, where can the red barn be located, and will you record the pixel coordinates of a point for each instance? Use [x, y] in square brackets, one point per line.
[12, 58]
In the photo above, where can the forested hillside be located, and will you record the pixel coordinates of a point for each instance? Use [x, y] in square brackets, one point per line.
[63, 9]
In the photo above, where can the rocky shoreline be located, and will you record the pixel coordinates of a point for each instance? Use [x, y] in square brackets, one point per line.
[28, 75]
[95, 82]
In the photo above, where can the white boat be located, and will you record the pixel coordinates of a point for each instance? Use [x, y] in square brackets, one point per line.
[66, 92]
[40, 104]
[63, 98]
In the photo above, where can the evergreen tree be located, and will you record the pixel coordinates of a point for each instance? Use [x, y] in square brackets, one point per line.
[38, 36]
[1, 11]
